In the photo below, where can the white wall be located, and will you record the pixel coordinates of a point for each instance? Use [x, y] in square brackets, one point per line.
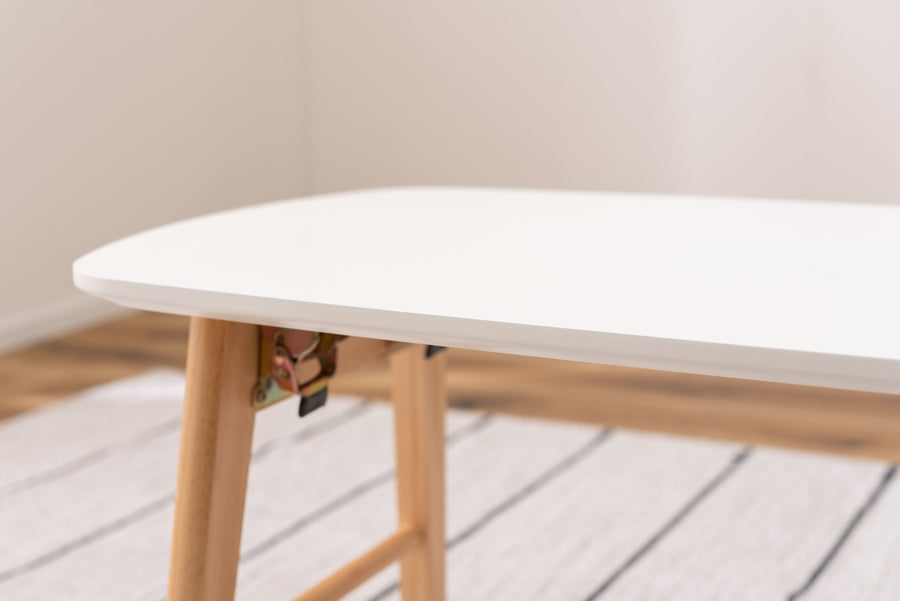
[514, 92]
[856, 141]
[116, 115]
[794, 98]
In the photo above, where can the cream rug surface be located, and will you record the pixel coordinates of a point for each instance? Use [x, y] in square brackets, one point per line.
[537, 510]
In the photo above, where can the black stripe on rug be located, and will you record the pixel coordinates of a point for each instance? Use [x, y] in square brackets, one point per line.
[517, 497]
[349, 496]
[672, 523]
[162, 502]
[314, 429]
[88, 459]
[854, 522]
[137, 515]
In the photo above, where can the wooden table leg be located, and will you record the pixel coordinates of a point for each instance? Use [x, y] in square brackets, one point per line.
[216, 435]
[418, 391]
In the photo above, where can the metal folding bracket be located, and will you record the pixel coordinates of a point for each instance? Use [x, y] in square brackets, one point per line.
[281, 352]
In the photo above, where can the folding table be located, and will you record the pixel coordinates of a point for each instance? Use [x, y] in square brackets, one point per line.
[284, 295]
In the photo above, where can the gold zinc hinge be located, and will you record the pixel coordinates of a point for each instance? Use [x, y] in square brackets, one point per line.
[284, 357]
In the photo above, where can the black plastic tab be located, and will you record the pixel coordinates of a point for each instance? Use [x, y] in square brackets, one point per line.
[308, 404]
[432, 350]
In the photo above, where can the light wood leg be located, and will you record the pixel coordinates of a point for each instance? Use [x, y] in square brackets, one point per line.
[418, 392]
[216, 435]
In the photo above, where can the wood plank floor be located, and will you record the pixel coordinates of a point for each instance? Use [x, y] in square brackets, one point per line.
[51, 371]
[859, 424]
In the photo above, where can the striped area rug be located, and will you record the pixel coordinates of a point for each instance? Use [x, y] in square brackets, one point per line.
[537, 510]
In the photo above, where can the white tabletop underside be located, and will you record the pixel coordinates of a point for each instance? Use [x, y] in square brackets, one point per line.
[791, 291]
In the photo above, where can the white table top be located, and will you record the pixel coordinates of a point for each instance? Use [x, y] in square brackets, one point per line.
[791, 291]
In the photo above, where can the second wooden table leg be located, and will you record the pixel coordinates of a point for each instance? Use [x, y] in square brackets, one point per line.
[418, 391]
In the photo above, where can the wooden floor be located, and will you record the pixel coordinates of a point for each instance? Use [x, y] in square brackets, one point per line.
[820, 419]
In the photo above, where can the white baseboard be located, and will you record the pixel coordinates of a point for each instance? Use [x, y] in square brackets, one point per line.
[54, 319]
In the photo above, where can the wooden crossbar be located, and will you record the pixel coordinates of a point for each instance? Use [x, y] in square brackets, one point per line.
[365, 566]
